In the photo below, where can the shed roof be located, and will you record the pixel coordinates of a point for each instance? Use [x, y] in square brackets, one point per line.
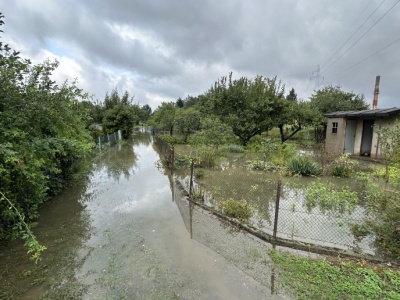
[382, 112]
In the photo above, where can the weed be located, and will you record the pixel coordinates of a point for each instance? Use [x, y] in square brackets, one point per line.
[319, 279]
[343, 166]
[240, 210]
[233, 148]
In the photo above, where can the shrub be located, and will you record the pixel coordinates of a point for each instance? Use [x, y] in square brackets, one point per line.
[240, 210]
[343, 166]
[199, 174]
[170, 139]
[207, 158]
[382, 210]
[277, 154]
[304, 165]
[233, 148]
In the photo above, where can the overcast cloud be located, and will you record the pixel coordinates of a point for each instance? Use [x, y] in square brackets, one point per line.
[163, 50]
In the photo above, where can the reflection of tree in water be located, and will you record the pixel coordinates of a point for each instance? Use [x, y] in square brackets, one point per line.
[141, 138]
[118, 160]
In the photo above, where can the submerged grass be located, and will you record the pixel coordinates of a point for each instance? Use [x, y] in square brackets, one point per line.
[337, 279]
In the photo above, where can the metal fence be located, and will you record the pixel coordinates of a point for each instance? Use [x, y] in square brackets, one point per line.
[281, 214]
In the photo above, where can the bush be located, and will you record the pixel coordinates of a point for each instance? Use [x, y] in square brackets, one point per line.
[233, 148]
[343, 166]
[276, 153]
[199, 174]
[304, 165]
[382, 210]
[207, 158]
[170, 139]
[240, 210]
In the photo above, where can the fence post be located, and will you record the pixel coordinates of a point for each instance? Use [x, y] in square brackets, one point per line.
[278, 197]
[99, 144]
[172, 158]
[191, 180]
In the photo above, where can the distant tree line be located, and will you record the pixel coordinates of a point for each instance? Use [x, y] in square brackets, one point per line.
[249, 107]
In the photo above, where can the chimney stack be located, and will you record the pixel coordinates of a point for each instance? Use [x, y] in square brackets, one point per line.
[376, 92]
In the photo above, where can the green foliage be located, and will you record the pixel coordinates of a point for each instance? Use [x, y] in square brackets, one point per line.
[330, 99]
[327, 199]
[382, 209]
[248, 106]
[344, 166]
[199, 174]
[391, 174]
[120, 114]
[277, 154]
[170, 139]
[206, 158]
[187, 121]
[233, 148]
[240, 210]
[164, 117]
[320, 279]
[389, 145]
[42, 136]
[304, 165]
[24, 230]
[213, 133]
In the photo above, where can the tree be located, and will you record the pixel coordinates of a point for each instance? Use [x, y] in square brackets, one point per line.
[187, 121]
[120, 113]
[213, 132]
[164, 117]
[179, 103]
[249, 106]
[42, 136]
[331, 99]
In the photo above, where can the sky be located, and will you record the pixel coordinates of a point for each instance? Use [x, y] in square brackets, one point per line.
[162, 50]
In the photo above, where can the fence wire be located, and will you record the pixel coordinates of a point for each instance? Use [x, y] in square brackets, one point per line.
[292, 222]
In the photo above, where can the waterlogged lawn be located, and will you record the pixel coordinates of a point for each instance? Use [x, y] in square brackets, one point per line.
[311, 279]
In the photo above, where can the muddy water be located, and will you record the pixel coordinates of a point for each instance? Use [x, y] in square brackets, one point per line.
[120, 235]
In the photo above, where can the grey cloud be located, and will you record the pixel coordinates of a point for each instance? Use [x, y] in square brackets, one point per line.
[208, 39]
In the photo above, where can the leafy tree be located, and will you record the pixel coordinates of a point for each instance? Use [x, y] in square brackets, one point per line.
[120, 113]
[179, 103]
[42, 135]
[330, 99]
[187, 121]
[145, 113]
[164, 117]
[249, 106]
[213, 132]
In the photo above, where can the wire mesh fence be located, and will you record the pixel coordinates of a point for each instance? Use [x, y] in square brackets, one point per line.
[282, 212]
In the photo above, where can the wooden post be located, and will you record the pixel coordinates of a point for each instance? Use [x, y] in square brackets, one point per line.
[278, 196]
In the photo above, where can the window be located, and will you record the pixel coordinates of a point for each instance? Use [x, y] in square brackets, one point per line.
[334, 127]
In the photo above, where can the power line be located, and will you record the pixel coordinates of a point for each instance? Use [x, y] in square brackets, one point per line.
[368, 57]
[344, 44]
[369, 29]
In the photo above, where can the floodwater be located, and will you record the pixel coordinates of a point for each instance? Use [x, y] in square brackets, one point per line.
[123, 234]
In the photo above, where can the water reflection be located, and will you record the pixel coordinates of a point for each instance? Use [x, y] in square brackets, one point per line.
[245, 251]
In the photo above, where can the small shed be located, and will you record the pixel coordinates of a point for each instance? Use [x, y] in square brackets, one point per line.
[355, 132]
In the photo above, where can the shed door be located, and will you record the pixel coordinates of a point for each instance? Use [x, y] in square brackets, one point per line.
[366, 143]
[351, 126]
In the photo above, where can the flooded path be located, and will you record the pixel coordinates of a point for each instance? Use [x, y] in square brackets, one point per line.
[121, 236]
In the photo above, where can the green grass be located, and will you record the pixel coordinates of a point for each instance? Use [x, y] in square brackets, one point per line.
[311, 279]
